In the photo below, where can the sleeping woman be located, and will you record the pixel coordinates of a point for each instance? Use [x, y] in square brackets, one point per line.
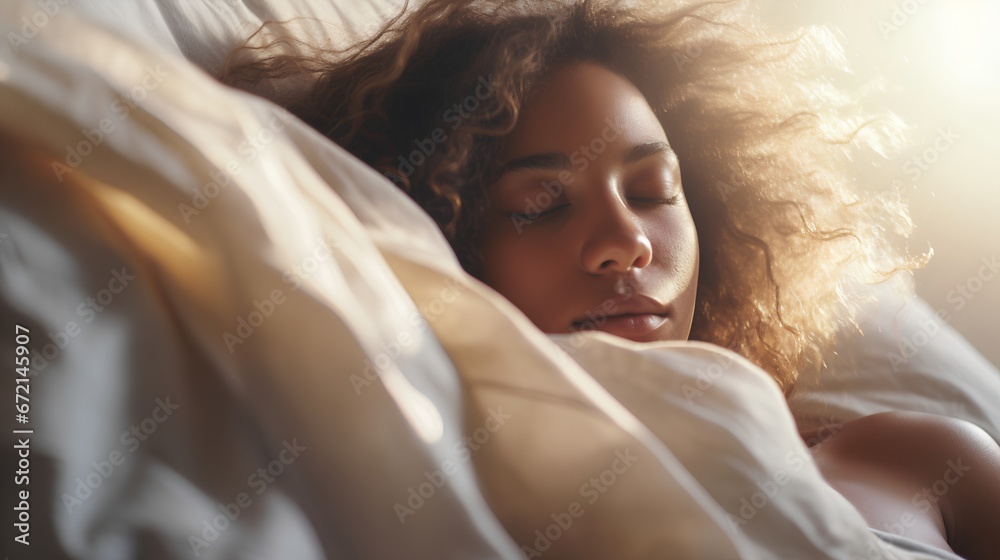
[658, 172]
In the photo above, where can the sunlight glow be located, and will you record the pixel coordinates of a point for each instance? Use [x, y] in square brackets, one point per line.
[967, 45]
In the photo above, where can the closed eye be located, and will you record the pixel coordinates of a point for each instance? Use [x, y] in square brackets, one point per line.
[670, 201]
[532, 217]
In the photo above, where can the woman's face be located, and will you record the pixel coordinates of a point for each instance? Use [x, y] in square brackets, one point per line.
[588, 226]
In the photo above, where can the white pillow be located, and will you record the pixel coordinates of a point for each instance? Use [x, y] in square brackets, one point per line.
[206, 31]
[906, 357]
[727, 422]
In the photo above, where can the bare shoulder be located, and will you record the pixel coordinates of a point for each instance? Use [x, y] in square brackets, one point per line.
[931, 424]
[941, 465]
[897, 435]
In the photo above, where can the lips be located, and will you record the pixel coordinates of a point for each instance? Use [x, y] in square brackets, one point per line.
[635, 319]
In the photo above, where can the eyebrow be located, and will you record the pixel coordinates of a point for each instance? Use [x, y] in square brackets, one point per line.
[558, 160]
[643, 151]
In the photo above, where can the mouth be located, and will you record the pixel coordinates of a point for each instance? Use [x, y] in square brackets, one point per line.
[635, 319]
[633, 326]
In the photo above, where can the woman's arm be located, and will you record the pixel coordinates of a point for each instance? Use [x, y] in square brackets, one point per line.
[921, 476]
[970, 480]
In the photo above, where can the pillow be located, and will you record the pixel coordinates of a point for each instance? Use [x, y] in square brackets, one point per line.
[733, 430]
[904, 357]
[205, 32]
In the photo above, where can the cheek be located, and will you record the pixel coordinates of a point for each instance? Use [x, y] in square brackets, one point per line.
[688, 264]
[676, 243]
[678, 252]
[687, 250]
[524, 273]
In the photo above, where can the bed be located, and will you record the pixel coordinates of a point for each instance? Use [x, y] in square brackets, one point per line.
[245, 343]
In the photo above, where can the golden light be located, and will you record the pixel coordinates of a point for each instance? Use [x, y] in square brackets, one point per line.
[964, 44]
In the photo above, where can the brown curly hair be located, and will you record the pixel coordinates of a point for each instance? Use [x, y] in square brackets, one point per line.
[765, 142]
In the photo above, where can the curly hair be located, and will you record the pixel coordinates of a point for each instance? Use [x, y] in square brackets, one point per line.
[764, 139]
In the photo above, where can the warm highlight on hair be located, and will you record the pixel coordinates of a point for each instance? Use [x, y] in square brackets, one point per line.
[764, 142]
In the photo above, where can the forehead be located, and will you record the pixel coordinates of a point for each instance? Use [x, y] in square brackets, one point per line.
[577, 104]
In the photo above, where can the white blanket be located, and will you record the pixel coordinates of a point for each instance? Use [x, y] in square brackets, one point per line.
[247, 344]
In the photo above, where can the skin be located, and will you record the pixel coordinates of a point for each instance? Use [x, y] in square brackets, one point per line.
[926, 477]
[583, 233]
[619, 218]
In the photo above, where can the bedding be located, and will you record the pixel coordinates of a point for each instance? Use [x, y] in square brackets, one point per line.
[248, 344]
[903, 356]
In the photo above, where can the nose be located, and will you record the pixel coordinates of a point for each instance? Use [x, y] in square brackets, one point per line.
[616, 243]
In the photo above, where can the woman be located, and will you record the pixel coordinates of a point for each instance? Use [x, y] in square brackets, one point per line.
[548, 142]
